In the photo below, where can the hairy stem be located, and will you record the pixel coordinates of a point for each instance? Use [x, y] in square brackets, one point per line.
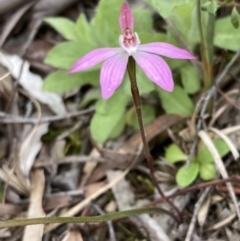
[138, 107]
[63, 220]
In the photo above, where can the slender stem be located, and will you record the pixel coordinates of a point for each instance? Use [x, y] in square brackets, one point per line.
[138, 107]
[63, 220]
[195, 188]
[210, 36]
[207, 69]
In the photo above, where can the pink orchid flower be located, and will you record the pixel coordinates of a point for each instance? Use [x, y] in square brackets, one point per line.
[145, 55]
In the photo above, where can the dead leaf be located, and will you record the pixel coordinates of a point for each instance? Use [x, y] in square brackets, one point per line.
[9, 209]
[203, 211]
[73, 236]
[5, 84]
[5, 233]
[122, 191]
[150, 228]
[8, 27]
[33, 83]
[35, 232]
[30, 151]
[92, 188]
[9, 176]
[42, 7]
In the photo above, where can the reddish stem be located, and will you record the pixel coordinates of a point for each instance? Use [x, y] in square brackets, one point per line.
[138, 107]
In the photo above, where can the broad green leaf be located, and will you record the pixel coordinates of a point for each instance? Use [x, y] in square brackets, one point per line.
[204, 6]
[190, 79]
[105, 23]
[165, 7]
[207, 171]
[108, 115]
[150, 37]
[235, 18]
[118, 129]
[211, 7]
[187, 174]
[64, 26]
[204, 155]
[143, 20]
[60, 81]
[184, 20]
[85, 31]
[174, 154]
[64, 55]
[176, 102]
[116, 103]
[226, 36]
[148, 113]
[92, 95]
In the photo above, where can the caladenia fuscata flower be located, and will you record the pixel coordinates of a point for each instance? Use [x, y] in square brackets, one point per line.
[117, 60]
[146, 56]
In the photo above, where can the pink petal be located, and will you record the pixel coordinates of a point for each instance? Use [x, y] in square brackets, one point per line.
[167, 50]
[93, 58]
[112, 74]
[126, 19]
[156, 69]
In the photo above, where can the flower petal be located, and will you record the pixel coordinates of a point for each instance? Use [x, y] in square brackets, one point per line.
[156, 69]
[112, 74]
[126, 19]
[93, 58]
[167, 50]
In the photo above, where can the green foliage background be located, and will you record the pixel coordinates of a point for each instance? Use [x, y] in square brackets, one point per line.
[103, 30]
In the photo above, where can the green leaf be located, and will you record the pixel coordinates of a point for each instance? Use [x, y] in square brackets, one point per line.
[176, 102]
[235, 17]
[226, 36]
[93, 94]
[118, 129]
[204, 6]
[211, 7]
[150, 37]
[85, 31]
[190, 79]
[60, 81]
[165, 7]
[64, 55]
[143, 20]
[207, 171]
[64, 26]
[204, 155]
[184, 19]
[187, 174]
[174, 154]
[108, 115]
[148, 113]
[105, 23]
